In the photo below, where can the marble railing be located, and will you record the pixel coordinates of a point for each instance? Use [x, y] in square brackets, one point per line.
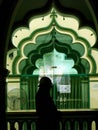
[74, 119]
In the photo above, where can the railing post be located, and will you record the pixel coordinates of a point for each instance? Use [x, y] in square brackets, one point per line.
[20, 125]
[97, 124]
[63, 125]
[72, 124]
[89, 125]
[29, 124]
[80, 125]
[12, 125]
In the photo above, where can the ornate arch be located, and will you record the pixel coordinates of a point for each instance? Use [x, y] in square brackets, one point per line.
[50, 31]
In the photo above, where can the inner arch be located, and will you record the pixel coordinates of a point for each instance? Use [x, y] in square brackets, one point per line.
[50, 55]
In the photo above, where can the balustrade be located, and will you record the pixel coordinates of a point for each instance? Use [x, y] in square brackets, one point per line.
[74, 119]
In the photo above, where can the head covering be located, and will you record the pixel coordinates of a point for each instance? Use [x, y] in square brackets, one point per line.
[45, 81]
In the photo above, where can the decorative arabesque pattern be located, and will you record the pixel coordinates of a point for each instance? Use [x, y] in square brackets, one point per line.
[53, 31]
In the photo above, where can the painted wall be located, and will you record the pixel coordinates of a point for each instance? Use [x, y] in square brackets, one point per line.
[94, 92]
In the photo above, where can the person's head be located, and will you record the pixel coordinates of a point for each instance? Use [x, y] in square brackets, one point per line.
[45, 82]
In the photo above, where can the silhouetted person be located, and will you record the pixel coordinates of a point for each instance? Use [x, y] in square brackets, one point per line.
[45, 107]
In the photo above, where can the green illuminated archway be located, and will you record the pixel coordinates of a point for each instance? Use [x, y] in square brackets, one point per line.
[53, 31]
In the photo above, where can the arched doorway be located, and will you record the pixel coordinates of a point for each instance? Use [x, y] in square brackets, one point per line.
[55, 46]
